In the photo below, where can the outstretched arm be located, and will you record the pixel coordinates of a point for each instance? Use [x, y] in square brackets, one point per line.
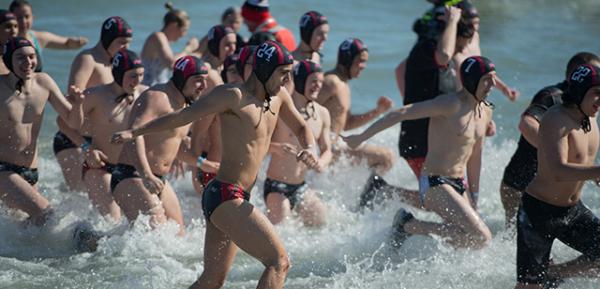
[220, 99]
[51, 40]
[439, 106]
[384, 103]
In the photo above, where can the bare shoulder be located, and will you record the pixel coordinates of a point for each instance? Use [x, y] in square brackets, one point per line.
[322, 111]
[231, 92]
[555, 117]
[451, 101]
[44, 80]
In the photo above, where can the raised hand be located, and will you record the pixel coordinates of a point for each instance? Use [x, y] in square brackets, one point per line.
[384, 104]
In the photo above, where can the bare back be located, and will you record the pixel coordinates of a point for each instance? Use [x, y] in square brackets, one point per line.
[451, 138]
[581, 149]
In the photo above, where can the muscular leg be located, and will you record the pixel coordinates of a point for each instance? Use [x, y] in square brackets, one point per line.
[172, 208]
[311, 210]
[462, 225]
[16, 193]
[133, 197]
[252, 232]
[71, 162]
[219, 254]
[511, 199]
[98, 188]
[278, 207]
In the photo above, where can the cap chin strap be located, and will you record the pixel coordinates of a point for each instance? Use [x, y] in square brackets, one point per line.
[484, 102]
[585, 121]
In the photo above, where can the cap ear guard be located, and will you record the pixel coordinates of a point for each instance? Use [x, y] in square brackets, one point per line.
[113, 28]
[184, 68]
[302, 71]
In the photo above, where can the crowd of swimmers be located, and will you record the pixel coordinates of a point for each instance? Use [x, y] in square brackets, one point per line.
[223, 103]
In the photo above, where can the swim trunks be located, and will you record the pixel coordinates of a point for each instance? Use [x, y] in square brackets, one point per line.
[539, 223]
[292, 192]
[122, 171]
[62, 142]
[218, 192]
[28, 174]
[427, 182]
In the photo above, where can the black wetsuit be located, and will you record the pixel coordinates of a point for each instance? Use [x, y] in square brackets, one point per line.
[422, 83]
[539, 223]
[522, 167]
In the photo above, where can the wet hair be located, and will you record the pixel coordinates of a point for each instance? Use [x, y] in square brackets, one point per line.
[228, 12]
[175, 16]
[579, 59]
[17, 4]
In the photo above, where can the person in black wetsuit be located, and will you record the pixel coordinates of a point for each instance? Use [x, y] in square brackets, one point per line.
[523, 165]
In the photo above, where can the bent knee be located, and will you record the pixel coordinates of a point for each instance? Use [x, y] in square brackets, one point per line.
[482, 238]
[280, 265]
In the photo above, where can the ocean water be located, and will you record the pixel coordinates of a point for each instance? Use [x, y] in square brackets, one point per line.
[530, 42]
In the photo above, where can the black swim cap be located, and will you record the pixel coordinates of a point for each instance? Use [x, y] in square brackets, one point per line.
[113, 28]
[245, 53]
[308, 23]
[469, 11]
[267, 57]
[6, 16]
[229, 61]
[215, 34]
[10, 47]
[581, 80]
[348, 50]
[184, 68]
[260, 37]
[471, 71]
[123, 61]
[301, 72]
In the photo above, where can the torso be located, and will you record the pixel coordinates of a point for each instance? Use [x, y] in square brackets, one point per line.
[338, 104]
[101, 74]
[23, 114]
[108, 117]
[162, 147]
[582, 150]
[451, 140]
[285, 167]
[245, 138]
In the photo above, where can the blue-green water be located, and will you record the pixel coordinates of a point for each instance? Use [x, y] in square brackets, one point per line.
[530, 42]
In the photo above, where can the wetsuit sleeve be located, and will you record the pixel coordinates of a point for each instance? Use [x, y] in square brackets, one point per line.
[425, 53]
[536, 111]
[541, 102]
